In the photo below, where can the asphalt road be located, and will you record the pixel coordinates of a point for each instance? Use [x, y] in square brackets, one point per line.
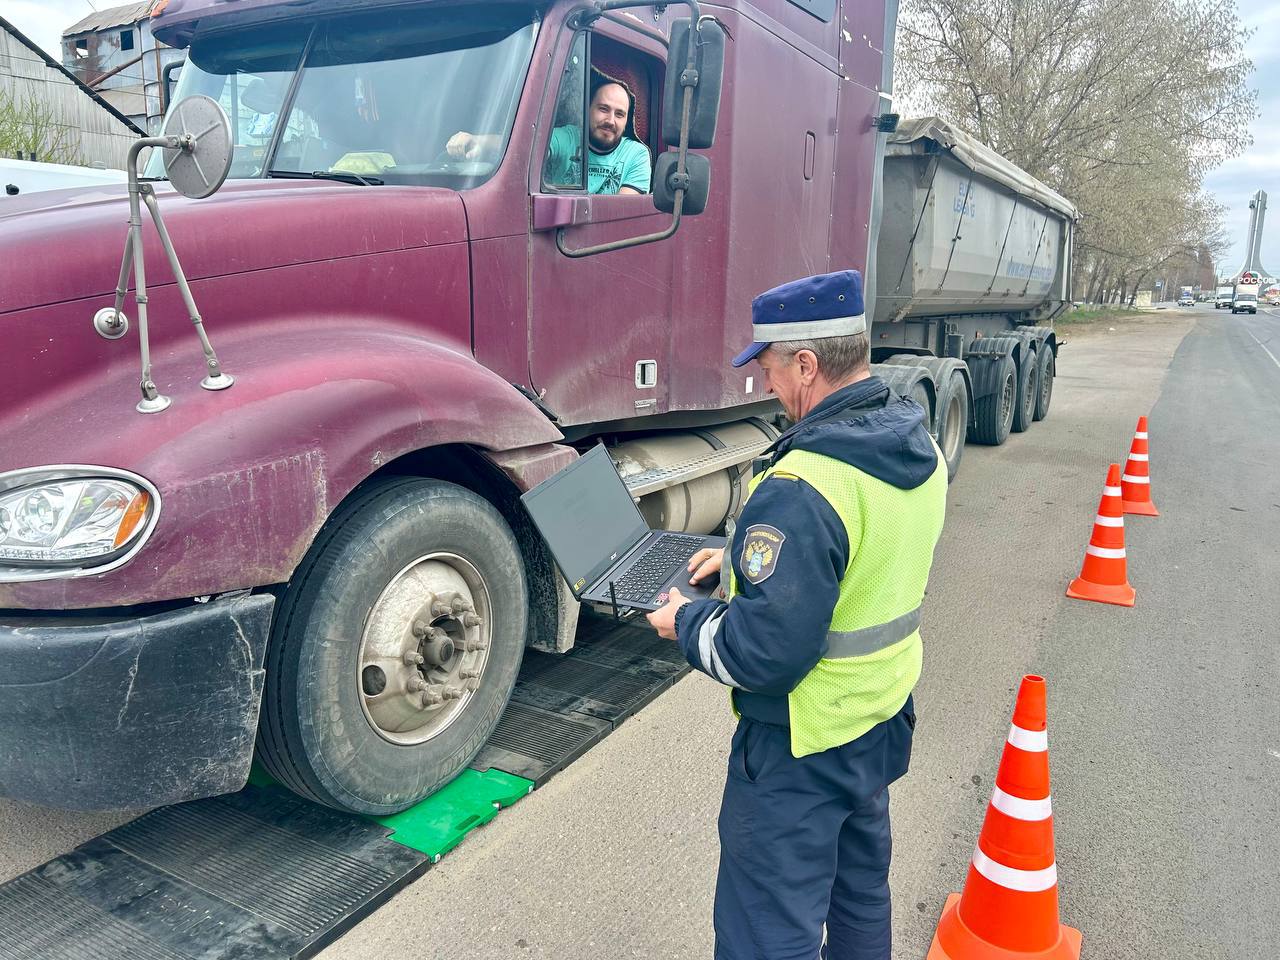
[1163, 730]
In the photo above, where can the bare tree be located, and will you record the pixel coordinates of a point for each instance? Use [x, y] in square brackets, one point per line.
[1121, 105]
[30, 128]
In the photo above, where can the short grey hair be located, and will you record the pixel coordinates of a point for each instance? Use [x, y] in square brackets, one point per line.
[838, 357]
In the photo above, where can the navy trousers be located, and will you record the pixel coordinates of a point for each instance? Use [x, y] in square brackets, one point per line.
[805, 842]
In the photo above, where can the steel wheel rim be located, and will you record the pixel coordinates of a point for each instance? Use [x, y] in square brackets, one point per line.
[1008, 397]
[951, 429]
[1046, 386]
[424, 648]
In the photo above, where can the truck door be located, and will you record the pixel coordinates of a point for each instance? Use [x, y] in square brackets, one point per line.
[599, 327]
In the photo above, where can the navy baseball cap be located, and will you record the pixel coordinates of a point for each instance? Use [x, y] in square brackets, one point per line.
[828, 305]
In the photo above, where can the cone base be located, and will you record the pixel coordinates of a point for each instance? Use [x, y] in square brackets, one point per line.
[1122, 595]
[1141, 508]
[964, 944]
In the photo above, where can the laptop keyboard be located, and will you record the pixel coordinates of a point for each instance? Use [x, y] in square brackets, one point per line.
[650, 573]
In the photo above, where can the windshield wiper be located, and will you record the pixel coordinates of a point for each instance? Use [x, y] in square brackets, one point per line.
[353, 178]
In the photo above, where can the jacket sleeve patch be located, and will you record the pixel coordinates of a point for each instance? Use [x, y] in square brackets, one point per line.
[761, 545]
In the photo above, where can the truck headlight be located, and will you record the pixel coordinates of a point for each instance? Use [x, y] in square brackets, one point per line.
[71, 525]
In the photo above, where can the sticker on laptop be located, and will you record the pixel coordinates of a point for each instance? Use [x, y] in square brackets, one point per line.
[761, 545]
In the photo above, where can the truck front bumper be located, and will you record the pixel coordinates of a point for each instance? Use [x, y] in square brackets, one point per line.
[102, 712]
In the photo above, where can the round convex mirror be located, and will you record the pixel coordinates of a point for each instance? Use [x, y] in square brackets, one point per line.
[198, 169]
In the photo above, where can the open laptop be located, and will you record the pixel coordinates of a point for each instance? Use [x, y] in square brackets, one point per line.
[602, 544]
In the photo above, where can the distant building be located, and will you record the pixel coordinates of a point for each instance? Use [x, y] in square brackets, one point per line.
[99, 135]
[114, 52]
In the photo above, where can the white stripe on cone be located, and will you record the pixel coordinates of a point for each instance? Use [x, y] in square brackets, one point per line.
[1024, 881]
[1139, 456]
[1020, 808]
[1102, 521]
[1106, 553]
[1033, 741]
[1111, 492]
[1140, 435]
[1128, 479]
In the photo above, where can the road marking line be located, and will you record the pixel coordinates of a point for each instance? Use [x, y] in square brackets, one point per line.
[1263, 346]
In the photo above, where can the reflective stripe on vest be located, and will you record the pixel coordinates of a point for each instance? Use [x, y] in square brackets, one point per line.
[859, 643]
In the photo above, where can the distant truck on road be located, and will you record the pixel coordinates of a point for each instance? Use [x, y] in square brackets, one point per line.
[1245, 297]
[327, 564]
[1224, 296]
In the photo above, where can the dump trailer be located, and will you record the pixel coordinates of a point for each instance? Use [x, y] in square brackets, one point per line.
[260, 475]
[973, 259]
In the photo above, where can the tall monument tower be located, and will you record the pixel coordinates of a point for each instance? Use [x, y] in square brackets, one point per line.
[1253, 248]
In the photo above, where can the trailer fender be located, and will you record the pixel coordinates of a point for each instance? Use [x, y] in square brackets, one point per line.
[982, 359]
[248, 476]
[906, 376]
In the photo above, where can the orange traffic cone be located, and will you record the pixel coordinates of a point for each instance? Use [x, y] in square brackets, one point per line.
[1136, 482]
[1104, 576]
[1009, 908]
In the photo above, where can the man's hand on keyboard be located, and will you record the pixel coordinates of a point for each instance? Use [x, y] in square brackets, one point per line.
[664, 618]
[704, 563]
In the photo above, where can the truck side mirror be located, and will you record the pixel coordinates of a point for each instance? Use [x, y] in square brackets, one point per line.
[705, 109]
[697, 182]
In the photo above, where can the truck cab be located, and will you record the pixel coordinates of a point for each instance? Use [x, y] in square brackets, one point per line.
[319, 559]
[327, 564]
[1223, 297]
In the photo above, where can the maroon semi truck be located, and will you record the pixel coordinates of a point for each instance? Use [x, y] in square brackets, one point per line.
[327, 565]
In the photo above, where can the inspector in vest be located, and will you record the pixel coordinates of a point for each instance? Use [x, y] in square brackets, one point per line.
[819, 637]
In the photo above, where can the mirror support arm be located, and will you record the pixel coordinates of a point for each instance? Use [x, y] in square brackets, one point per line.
[689, 80]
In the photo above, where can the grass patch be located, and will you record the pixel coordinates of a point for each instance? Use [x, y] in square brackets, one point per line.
[1089, 315]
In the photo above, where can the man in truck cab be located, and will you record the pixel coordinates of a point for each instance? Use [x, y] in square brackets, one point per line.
[617, 163]
[819, 640]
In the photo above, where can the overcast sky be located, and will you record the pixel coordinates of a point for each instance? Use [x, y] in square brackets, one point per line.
[1233, 183]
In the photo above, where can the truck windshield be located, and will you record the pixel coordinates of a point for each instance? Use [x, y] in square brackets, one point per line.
[377, 97]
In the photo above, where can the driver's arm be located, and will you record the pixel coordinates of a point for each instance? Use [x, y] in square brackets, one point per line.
[474, 146]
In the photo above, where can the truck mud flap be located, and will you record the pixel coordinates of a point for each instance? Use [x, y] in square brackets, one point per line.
[265, 875]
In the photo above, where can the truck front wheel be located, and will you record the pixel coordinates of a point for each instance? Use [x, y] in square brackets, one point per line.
[395, 648]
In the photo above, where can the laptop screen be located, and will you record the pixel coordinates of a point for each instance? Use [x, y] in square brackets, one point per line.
[586, 516]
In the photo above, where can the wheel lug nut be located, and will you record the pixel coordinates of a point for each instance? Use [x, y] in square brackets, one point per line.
[415, 684]
[452, 693]
[468, 673]
[472, 620]
[472, 685]
[413, 659]
[431, 698]
[420, 628]
[458, 605]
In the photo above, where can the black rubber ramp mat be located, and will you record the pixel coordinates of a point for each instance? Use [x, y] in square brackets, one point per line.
[264, 875]
[257, 875]
[563, 705]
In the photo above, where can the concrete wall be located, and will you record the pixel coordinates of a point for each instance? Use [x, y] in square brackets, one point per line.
[103, 138]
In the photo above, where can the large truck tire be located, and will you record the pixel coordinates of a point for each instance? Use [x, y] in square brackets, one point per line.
[395, 647]
[1044, 377]
[993, 414]
[953, 422]
[1024, 410]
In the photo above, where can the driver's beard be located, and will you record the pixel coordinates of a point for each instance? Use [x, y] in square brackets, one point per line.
[600, 147]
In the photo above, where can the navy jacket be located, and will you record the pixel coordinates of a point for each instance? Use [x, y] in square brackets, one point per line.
[775, 631]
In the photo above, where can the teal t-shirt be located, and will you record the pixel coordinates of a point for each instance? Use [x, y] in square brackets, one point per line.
[627, 165]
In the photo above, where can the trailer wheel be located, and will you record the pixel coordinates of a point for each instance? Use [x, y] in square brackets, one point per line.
[1028, 389]
[1044, 376]
[993, 414]
[394, 649]
[953, 423]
